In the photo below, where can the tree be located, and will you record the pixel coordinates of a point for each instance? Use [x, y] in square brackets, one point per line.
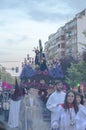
[76, 73]
[84, 56]
[66, 63]
[5, 76]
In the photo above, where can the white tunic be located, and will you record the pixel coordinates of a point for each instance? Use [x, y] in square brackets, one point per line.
[63, 119]
[81, 119]
[53, 101]
[13, 120]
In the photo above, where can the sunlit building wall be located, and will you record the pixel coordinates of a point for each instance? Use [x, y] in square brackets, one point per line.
[69, 39]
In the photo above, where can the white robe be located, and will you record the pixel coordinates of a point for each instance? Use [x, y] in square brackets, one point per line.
[62, 118]
[30, 115]
[53, 101]
[26, 114]
[13, 120]
[81, 119]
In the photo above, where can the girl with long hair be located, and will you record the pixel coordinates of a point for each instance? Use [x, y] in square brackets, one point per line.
[64, 118]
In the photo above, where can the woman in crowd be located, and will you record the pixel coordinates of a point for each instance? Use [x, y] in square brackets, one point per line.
[66, 113]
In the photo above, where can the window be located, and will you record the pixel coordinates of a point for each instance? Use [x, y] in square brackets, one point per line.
[62, 45]
[63, 37]
[63, 53]
[58, 45]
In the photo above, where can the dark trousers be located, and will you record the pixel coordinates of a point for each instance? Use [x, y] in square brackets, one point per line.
[6, 115]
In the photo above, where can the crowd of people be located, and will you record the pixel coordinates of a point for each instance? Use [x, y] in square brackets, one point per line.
[68, 110]
[25, 109]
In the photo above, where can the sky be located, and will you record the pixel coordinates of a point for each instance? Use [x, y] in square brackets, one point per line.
[24, 22]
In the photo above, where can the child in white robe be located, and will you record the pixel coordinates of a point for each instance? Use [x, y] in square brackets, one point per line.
[66, 113]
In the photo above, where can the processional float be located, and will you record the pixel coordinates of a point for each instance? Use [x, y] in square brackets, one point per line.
[42, 76]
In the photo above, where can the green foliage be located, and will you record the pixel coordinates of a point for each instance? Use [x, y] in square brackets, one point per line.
[5, 76]
[52, 56]
[76, 73]
[84, 55]
[66, 63]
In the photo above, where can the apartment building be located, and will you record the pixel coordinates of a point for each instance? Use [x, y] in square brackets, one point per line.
[69, 39]
[55, 46]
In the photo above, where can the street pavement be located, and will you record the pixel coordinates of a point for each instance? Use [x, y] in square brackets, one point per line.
[46, 121]
[2, 118]
[44, 116]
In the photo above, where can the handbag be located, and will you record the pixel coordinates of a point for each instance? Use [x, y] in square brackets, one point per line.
[6, 105]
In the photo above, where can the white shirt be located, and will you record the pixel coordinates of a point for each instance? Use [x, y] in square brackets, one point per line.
[54, 100]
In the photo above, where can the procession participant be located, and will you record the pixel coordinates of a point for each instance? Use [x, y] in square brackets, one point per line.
[26, 115]
[15, 101]
[66, 113]
[81, 119]
[84, 100]
[56, 98]
[79, 99]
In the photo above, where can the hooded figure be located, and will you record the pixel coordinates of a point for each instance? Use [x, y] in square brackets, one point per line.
[15, 101]
[18, 93]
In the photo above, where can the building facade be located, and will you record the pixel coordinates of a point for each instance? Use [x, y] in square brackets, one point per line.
[69, 39]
